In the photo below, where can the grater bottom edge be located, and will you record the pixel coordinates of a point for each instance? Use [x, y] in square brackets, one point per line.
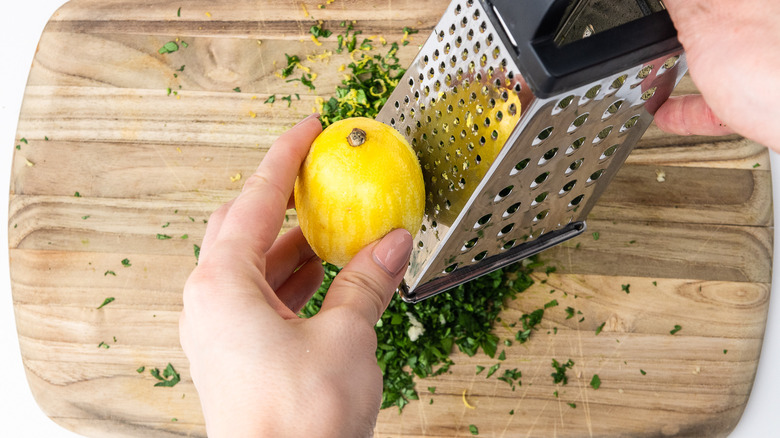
[460, 276]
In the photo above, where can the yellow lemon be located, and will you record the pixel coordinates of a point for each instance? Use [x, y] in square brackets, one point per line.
[360, 180]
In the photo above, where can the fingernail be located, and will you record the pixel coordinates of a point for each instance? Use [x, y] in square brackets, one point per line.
[311, 116]
[393, 251]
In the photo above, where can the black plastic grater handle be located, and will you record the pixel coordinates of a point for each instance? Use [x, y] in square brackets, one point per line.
[550, 69]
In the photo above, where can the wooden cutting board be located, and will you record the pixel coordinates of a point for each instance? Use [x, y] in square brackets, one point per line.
[112, 159]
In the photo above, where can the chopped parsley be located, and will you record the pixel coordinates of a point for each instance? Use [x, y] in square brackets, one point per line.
[237, 89]
[569, 312]
[600, 328]
[104, 345]
[676, 329]
[169, 47]
[106, 301]
[595, 382]
[196, 249]
[643, 372]
[572, 405]
[163, 236]
[480, 368]
[492, 370]
[109, 272]
[511, 377]
[140, 369]
[473, 429]
[178, 13]
[292, 61]
[596, 235]
[319, 32]
[271, 99]
[168, 378]
[559, 376]
[77, 194]
[625, 288]
[552, 303]
[126, 263]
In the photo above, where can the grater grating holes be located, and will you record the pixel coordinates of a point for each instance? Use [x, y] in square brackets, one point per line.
[612, 109]
[543, 135]
[602, 134]
[629, 123]
[575, 145]
[668, 65]
[481, 222]
[578, 122]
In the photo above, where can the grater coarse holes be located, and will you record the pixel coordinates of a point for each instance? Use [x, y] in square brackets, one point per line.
[509, 170]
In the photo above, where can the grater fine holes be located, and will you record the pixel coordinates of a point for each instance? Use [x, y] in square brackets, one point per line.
[540, 179]
[481, 222]
[450, 268]
[629, 123]
[542, 214]
[575, 145]
[590, 94]
[602, 134]
[469, 244]
[470, 35]
[452, 29]
[568, 187]
[645, 72]
[618, 82]
[668, 65]
[469, 3]
[575, 202]
[464, 22]
[612, 109]
[549, 155]
[458, 9]
[503, 194]
[649, 93]
[476, 15]
[479, 256]
[609, 152]
[539, 199]
[543, 135]
[508, 245]
[506, 230]
[482, 27]
[420, 244]
[579, 121]
[595, 176]
[512, 109]
[518, 167]
[511, 210]
[563, 103]
[574, 166]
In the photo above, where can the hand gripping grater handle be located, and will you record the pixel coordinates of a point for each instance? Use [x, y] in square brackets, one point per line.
[520, 120]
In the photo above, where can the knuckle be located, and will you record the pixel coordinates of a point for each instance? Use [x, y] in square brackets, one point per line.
[367, 288]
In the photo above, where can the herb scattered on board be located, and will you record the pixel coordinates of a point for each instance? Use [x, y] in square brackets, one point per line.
[109, 273]
[559, 376]
[104, 345]
[169, 47]
[126, 263]
[676, 329]
[595, 382]
[168, 378]
[600, 328]
[140, 369]
[626, 288]
[473, 429]
[107, 300]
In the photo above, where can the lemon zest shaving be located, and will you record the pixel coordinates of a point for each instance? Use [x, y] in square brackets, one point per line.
[305, 11]
[236, 178]
[465, 402]
[316, 41]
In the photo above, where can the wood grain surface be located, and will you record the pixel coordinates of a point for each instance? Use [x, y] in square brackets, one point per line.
[98, 121]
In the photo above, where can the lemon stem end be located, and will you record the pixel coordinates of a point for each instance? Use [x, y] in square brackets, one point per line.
[357, 137]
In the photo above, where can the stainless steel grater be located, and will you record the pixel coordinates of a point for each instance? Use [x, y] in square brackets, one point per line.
[521, 113]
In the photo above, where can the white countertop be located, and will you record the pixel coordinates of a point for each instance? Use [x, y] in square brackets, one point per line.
[20, 29]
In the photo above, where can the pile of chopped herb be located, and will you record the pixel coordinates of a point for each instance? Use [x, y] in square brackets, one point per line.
[461, 317]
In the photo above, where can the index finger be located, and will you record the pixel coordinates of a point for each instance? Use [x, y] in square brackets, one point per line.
[257, 213]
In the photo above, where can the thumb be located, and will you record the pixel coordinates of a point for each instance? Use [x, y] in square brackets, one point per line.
[368, 282]
[689, 115]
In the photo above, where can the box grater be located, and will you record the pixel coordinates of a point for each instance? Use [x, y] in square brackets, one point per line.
[521, 112]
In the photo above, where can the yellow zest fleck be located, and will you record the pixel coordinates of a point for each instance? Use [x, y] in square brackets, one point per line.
[347, 77]
[252, 114]
[321, 6]
[253, 98]
[465, 402]
[29, 163]
[382, 40]
[235, 178]
[342, 67]
[259, 42]
[313, 76]
[178, 149]
[329, 2]
[278, 75]
[208, 14]
[305, 11]
[316, 41]
[303, 67]
[178, 96]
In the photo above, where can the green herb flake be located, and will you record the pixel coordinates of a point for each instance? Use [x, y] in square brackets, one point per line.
[756, 165]
[319, 32]
[178, 13]
[140, 369]
[185, 236]
[163, 236]
[511, 377]
[85, 217]
[625, 288]
[725, 351]
[492, 370]
[596, 235]
[502, 356]
[480, 368]
[169, 377]
[432, 389]
[237, 89]
[473, 429]
[174, 419]
[600, 328]
[271, 99]
[595, 382]
[569, 312]
[104, 345]
[106, 301]
[572, 405]
[655, 283]
[512, 412]
[126, 263]
[196, 249]
[109, 273]
[552, 303]
[643, 372]
[18, 147]
[23, 140]
[676, 329]
[168, 47]
[292, 61]
[77, 195]
[184, 44]
[559, 376]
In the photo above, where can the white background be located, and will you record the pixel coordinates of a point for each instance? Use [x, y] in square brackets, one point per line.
[20, 29]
